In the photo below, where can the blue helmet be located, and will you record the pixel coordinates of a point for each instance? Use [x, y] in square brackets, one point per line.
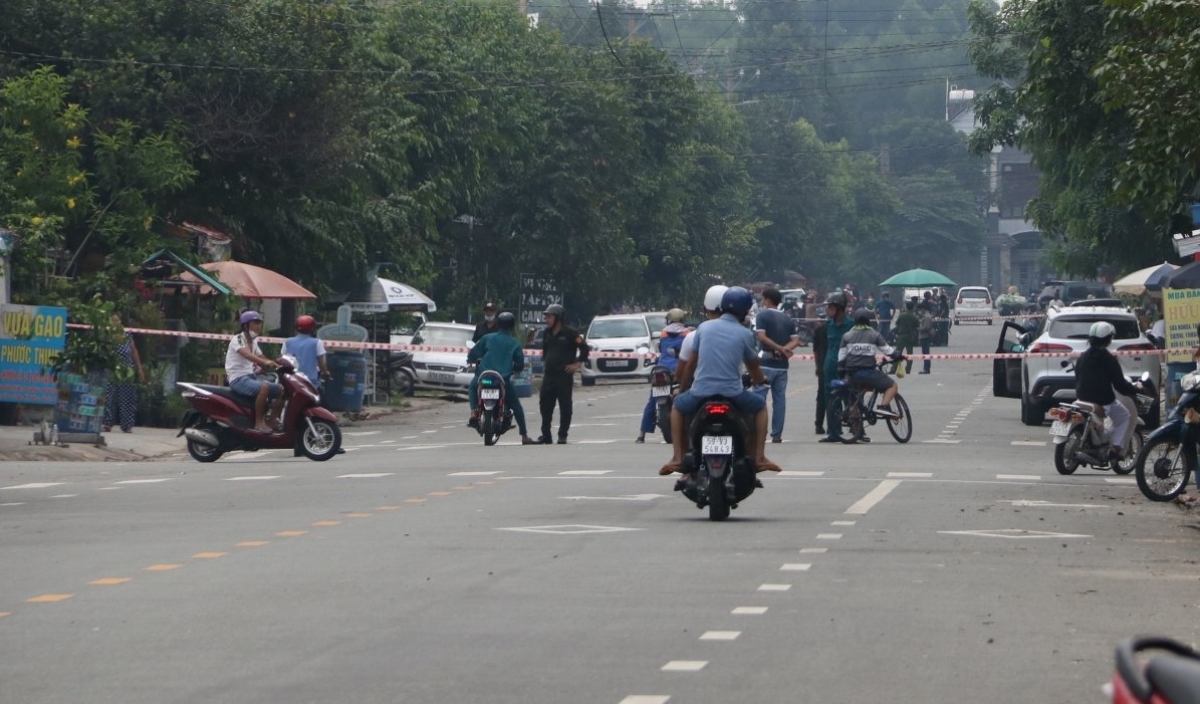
[737, 301]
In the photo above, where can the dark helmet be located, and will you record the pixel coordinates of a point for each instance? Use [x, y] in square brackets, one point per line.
[1101, 334]
[249, 317]
[837, 298]
[506, 321]
[737, 301]
[555, 310]
[862, 316]
[306, 324]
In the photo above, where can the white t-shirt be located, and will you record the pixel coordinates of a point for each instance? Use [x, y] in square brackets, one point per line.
[686, 347]
[237, 366]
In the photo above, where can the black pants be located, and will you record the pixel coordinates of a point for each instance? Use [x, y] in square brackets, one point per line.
[556, 386]
[821, 400]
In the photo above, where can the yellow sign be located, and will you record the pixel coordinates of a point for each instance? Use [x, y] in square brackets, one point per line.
[1181, 309]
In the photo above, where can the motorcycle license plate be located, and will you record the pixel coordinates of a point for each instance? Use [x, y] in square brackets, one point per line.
[660, 391]
[716, 445]
[442, 377]
[489, 393]
[1060, 428]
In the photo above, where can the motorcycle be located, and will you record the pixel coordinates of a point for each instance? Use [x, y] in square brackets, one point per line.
[1172, 677]
[221, 421]
[662, 382]
[1081, 432]
[495, 417]
[401, 374]
[717, 468]
[1168, 456]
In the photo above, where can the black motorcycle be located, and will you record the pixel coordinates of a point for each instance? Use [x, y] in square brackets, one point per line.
[1168, 456]
[718, 473]
[495, 416]
[662, 382]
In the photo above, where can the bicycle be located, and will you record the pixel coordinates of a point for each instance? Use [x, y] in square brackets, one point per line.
[855, 409]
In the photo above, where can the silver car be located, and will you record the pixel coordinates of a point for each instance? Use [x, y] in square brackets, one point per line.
[444, 371]
[629, 334]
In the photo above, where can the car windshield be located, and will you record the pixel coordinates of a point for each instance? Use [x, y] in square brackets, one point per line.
[632, 327]
[448, 337]
[1075, 328]
[976, 293]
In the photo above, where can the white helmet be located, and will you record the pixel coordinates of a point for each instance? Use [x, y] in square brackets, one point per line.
[712, 298]
[1101, 333]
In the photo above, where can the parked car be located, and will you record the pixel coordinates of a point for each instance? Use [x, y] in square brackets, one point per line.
[443, 371]
[618, 333]
[973, 303]
[1042, 382]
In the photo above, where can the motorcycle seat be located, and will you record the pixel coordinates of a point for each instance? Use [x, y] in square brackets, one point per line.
[1178, 679]
[1090, 408]
[226, 392]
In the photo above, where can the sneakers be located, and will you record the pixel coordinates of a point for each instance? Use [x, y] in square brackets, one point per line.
[830, 438]
[777, 439]
[922, 372]
[544, 440]
[562, 440]
[473, 422]
[529, 441]
[640, 440]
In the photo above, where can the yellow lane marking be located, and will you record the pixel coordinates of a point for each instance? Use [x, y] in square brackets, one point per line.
[326, 524]
[208, 555]
[110, 581]
[387, 508]
[413, 501]
[49, 598]
[161, 568]
[5, 613]
[355, 514]
[252, 543]
[485, 483]
[464, 488]
[291, 533]
[438, 493]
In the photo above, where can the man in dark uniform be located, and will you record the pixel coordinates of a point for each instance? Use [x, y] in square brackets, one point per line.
[488, 324]
[563, 353]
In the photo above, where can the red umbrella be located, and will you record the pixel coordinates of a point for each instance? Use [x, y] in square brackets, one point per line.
[249, 281]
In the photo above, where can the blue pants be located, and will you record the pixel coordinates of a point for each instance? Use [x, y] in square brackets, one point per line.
[925, 351]
[510, 398]
[777, 386]
[648, 414]
[833, 424]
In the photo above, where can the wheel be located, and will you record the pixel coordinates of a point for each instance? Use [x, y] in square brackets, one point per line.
[587, 381]
[488, 427]
[900, 428]
[718, 502]
[1161, 469]
[1064, 452]
[403, 383]
[855, 421]
[840, 413]
[204, 453]
[664, 422]
[1126, 465]
[1032, 413]
[956, 321]
[320, 440]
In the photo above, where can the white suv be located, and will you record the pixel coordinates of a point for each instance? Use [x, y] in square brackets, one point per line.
[1042, 382]
[618, 333]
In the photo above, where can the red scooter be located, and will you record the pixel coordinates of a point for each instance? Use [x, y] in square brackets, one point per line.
[1170, 677]
[222, 421]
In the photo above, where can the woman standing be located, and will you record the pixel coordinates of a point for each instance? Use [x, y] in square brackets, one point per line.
[121, 399]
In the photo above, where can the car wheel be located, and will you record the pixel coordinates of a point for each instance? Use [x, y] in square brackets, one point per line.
[1032, 413]
[587, 381]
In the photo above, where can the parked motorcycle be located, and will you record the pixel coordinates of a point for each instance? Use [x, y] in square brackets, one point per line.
[718, 471]
[1170, 677]
[495, 417]
[1081, 432]
[221, 421]
[1169, 455]
[662, 382]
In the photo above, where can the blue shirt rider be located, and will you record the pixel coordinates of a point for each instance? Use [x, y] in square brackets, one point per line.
[669, 344]
[499, 352]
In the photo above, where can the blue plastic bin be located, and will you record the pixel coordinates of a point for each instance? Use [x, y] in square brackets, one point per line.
[344, 392]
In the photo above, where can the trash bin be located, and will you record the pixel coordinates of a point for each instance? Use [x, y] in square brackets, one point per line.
[523, 382]
[343, 393]
[1175, 372]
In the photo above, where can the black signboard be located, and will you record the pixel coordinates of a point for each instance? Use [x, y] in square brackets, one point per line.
[537, 292]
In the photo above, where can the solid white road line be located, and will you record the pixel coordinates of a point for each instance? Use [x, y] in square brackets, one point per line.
[876, 495]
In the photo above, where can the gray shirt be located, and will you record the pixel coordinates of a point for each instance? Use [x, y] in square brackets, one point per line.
[780, 329]
[723, 345]
[860, 346]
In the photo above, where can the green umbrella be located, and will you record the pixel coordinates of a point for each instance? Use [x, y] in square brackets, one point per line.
[917, 278]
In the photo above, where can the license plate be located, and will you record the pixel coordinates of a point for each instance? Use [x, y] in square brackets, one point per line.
[660, 391]
[489, 393]
[716, 445]
[1060, 428]
[442, 377]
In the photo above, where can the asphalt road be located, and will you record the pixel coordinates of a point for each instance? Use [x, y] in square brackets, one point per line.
[422, 567]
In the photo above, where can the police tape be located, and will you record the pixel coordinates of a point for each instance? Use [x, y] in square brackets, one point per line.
[600, 354]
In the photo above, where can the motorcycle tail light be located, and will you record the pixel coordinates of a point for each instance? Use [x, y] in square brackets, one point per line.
[717, 409]
[1191, 417]
[1076, 417]
[660, 379]
[1056, 414]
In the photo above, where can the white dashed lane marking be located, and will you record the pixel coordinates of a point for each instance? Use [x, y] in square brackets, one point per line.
[721, 635]
[749, 611]
[795, 567]
[143, 481]
[684, 666]
[252, 479]
[35, 485]
[774, 587]
[813, 551]
[1021, 477]
[1029, 443]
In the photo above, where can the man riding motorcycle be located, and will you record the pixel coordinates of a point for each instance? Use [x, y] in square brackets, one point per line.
[1097, 373]
[499, 352]
[669, 344]
[241, 356]
[721, 347]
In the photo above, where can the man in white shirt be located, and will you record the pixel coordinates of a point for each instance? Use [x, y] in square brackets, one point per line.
[240, 358]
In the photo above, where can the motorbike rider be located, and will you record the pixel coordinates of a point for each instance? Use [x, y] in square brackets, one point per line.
[1097, 374]
[669, 342]
[856, 359]
[564, 353]
[308, 351]
[499, 352]
[241, 356]
[837, 324]
[721, 347]
[488, 324]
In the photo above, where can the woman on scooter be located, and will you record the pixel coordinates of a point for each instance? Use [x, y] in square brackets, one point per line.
[1097, 373]
[240, 358]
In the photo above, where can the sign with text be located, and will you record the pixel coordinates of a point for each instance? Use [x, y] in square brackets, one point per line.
[30, 338]
[537, 292]
[1181, 309]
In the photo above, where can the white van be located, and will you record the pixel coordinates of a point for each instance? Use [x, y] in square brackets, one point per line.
[973, 304]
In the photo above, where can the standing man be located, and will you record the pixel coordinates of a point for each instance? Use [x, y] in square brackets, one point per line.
[925, 332]
[820, 345]
[777, 337]
[563, 353]
[884, 310]
[837, 324]
[488, 324]
[907, 324]
[308, 351]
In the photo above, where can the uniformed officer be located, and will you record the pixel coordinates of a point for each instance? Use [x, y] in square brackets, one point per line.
[563, 353]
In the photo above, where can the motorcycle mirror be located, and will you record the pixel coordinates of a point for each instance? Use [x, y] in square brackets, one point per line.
[1145, 376]
[470, 344]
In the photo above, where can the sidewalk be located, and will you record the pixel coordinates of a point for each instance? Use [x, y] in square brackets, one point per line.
[158, 443]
